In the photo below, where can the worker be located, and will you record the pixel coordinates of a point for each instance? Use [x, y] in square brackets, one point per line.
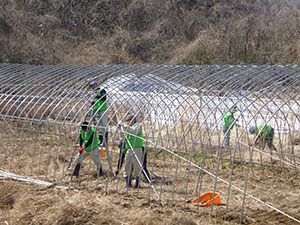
[228, 125]
[100, 113]
[88, 146]
[122, 154]
[134, 146]
[265, 135]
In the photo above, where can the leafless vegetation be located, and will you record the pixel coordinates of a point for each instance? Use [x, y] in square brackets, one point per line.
[7, 198]
[138, 31]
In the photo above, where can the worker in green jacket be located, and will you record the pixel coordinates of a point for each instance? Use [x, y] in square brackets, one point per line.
[266, 135]
[228, 125]
[88, 146]
[123, 151]
[134, 146]
[100, 113]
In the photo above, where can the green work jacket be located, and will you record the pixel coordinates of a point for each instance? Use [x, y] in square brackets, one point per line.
[85, 138]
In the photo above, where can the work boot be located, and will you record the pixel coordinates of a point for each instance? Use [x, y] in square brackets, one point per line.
[148, 175]
[100, 139]
[128, 181]
[137, 182]
[76, 170]
[100, 172]
[106, 139]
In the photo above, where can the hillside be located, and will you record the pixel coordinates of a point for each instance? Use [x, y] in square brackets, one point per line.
[155, 32]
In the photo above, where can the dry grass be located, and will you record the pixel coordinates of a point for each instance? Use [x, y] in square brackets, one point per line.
[7, 197]
[189, 32]
[60, 110]
[49, 206]
[34, 205]
[38, 205]
[292, 139]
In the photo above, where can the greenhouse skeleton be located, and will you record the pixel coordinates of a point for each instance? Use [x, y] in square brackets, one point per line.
[181, 109]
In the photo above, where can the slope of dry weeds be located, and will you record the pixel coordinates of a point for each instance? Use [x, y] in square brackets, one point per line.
[138, 31]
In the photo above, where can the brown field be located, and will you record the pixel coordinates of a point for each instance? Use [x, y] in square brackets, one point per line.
[106, 201]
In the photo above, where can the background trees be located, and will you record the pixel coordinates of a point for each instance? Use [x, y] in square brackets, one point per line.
[152, 31]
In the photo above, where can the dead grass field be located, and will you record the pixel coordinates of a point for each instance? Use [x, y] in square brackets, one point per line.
[35, 205]
[106, 201]
[27, 204]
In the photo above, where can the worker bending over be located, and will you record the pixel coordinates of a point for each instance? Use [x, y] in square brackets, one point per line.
[88, 146]
[266, 135]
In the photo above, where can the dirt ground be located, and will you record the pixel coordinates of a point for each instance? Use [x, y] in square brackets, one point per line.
[27, 204]
[105, 200]
[30, 204]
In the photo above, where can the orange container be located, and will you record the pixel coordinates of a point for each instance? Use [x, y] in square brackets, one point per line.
[102, 152]
[207, 199]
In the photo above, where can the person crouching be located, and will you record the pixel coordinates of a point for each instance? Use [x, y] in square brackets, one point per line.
[88, 146]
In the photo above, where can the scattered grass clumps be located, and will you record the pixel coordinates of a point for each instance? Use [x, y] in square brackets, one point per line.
[7, 196]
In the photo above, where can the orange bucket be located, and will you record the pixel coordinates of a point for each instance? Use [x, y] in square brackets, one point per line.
[102, 152]
[206, 199]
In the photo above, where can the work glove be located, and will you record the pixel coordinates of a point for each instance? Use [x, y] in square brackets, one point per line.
[80, 149]
[120, 124]
[236, 120]
[117, 172]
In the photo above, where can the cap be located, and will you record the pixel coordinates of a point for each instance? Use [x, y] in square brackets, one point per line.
[251, 129]
[84, 126]
[93, 83]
